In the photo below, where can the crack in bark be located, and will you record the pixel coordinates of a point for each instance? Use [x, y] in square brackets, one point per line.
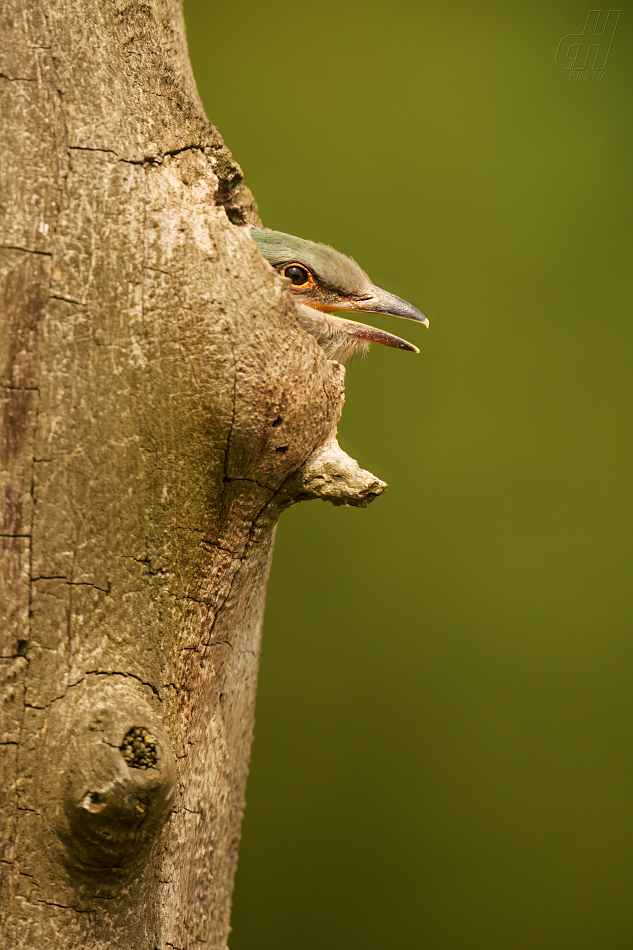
[77, 910]
[16, 78]
[159, 572]
[214, 544]
[146, 160]
[253, 481]
[83, 678]
[159, 270]
[216, 643]
[227, 478]
[65, 299]
[69, 621]
[133, 676]
[24, 250]
[62, 577]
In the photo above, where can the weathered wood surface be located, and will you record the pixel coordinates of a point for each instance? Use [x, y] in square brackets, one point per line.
[161, 406]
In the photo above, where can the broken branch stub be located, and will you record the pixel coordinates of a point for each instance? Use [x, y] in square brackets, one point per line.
[331, 475]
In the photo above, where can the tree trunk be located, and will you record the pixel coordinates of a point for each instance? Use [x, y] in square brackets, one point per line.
[161, 407]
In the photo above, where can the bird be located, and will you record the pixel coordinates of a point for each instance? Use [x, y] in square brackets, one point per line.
[322, 281]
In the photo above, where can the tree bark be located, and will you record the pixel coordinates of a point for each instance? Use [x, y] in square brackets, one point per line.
[161, 407]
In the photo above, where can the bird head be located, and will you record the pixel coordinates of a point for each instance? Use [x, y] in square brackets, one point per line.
[322, 281]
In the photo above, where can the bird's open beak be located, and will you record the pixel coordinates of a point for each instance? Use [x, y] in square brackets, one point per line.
[379, 301]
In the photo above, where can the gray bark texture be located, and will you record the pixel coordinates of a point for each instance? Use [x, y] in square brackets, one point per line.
[161, 407]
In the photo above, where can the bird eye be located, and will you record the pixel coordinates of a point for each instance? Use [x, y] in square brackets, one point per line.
[298, 275]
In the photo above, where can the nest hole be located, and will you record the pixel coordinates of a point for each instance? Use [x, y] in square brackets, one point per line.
[140, 748]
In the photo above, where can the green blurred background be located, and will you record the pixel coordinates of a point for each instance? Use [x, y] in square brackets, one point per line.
[444, 741]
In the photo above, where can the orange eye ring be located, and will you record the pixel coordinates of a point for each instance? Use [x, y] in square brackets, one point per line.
[298, 275]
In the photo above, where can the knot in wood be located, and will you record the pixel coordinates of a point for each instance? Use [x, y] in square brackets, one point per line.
[117, 776]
